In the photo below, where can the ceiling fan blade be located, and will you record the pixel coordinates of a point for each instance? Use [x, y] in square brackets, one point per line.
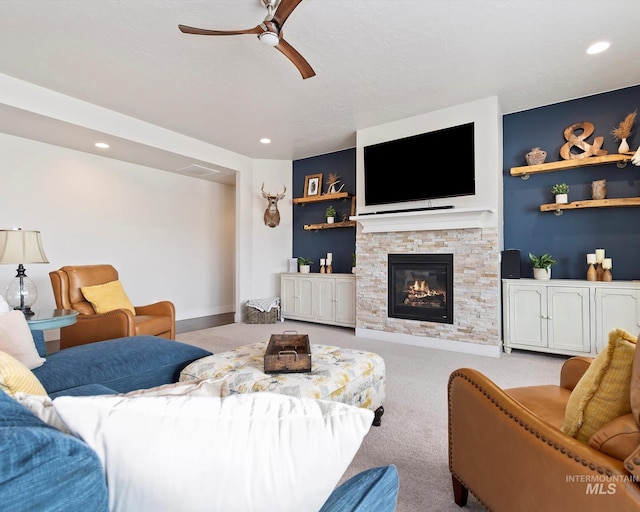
[206, 32]
[283, 11]
[298, 60]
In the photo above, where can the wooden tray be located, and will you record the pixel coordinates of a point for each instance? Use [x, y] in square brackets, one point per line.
[288, 352]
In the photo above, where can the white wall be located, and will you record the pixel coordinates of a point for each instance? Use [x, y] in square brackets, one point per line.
[162, 231]
[272, 246]
[170, 236]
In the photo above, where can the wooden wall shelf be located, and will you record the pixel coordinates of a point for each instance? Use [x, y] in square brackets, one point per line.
[526, 170]
[325, 197]
[326, 225]
[329, 197]
[591, 203]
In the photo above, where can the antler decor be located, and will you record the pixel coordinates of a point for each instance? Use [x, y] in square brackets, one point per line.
[271, 214]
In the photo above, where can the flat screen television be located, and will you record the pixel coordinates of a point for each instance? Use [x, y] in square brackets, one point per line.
[431, 165]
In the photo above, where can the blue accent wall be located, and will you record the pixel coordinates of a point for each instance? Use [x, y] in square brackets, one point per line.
[341, 242]
[568, 237]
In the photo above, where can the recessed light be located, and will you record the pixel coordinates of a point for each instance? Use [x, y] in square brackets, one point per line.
[264, 140]
[101, 145]
[598, 47]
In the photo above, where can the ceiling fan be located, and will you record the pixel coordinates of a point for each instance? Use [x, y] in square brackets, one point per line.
[269, 32]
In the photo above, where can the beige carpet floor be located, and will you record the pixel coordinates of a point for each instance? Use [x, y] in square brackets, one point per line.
[413, 434]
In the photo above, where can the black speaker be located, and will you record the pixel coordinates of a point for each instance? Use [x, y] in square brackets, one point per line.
[510, 264]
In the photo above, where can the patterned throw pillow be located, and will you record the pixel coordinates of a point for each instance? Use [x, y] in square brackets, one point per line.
[16, 377]
[602, 393]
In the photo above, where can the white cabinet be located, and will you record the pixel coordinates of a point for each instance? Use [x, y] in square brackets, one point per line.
[617, 307]
[565, 316]
[321, 298]
[547, 317]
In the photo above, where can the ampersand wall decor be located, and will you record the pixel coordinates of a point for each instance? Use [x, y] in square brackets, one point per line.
[578, 141]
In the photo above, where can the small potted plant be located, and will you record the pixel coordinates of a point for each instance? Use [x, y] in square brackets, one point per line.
[353, 262]
[330, 213]
[542, 265]
[561, 191]
[305, 265]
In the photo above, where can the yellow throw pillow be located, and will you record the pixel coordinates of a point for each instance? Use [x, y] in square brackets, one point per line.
[107, 297]
[16, 377]
[602, 393]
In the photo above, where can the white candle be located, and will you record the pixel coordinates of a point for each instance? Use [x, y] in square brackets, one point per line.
[329, 256]
[322, 262]
[599, 255]
[606, 263]
[591, 258]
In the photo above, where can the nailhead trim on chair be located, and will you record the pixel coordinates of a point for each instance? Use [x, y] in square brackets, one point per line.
[550, 442]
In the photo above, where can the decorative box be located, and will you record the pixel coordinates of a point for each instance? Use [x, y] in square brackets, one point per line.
[288, 352]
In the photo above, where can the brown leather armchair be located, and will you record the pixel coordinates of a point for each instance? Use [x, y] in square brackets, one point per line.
[506, 447]
[156, 319]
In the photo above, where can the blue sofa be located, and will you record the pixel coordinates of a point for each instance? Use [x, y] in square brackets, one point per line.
[115, 366]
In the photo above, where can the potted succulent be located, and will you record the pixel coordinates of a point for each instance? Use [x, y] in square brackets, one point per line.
[561, 191]
[305, 265]
[330, 213]
[542, 265]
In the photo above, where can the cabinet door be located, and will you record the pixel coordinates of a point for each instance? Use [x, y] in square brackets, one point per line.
[345, 302]
[616, 309]
[325, 300]
[288, 296]
[568, 319]
[527, 316]
[306, 306]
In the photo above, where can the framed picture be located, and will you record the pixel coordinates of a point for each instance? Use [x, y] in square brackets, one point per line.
[312, 185]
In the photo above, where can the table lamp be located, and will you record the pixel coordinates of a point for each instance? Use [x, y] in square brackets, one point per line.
[18, 247]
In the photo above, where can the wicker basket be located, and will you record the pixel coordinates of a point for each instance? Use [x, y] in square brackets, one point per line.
[255, 316]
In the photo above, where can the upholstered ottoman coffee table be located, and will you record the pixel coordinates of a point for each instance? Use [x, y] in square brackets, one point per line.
[344, 375]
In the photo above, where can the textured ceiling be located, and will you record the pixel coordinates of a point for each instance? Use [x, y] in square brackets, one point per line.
[376, 61]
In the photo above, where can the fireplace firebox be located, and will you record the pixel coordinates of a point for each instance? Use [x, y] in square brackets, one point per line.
[421, 287]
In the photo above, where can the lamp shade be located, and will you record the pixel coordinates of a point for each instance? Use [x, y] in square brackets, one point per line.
[20, 246]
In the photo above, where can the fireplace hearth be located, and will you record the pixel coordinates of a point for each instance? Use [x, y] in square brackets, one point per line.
[420, 287]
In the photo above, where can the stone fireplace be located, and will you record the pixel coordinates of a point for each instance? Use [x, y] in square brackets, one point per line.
[474, 326]
[420, 287]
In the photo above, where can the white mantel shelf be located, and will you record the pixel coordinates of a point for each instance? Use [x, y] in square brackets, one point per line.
[427, 220]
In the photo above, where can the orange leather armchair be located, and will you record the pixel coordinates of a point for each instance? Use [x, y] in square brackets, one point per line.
[507, 448]
[154, 319]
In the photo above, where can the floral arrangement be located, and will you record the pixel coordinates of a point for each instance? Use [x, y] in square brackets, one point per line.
[624, 128]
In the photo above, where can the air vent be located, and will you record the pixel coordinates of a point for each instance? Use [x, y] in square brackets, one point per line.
[197, 170]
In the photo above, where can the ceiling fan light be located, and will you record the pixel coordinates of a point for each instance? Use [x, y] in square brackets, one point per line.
[269, 38]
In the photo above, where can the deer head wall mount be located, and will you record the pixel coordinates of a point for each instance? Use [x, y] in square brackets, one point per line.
[271, 214]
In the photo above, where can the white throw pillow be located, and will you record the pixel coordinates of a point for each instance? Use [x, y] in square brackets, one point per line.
[4, 307]
[42, 406]
[16, 339]
[255, 452]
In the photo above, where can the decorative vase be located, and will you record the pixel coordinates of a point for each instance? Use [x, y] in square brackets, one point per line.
[536, 156]
[562, 198]
[330, 220]
[599, 189]
[542, 273]
[305, 269]
[624, 146]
